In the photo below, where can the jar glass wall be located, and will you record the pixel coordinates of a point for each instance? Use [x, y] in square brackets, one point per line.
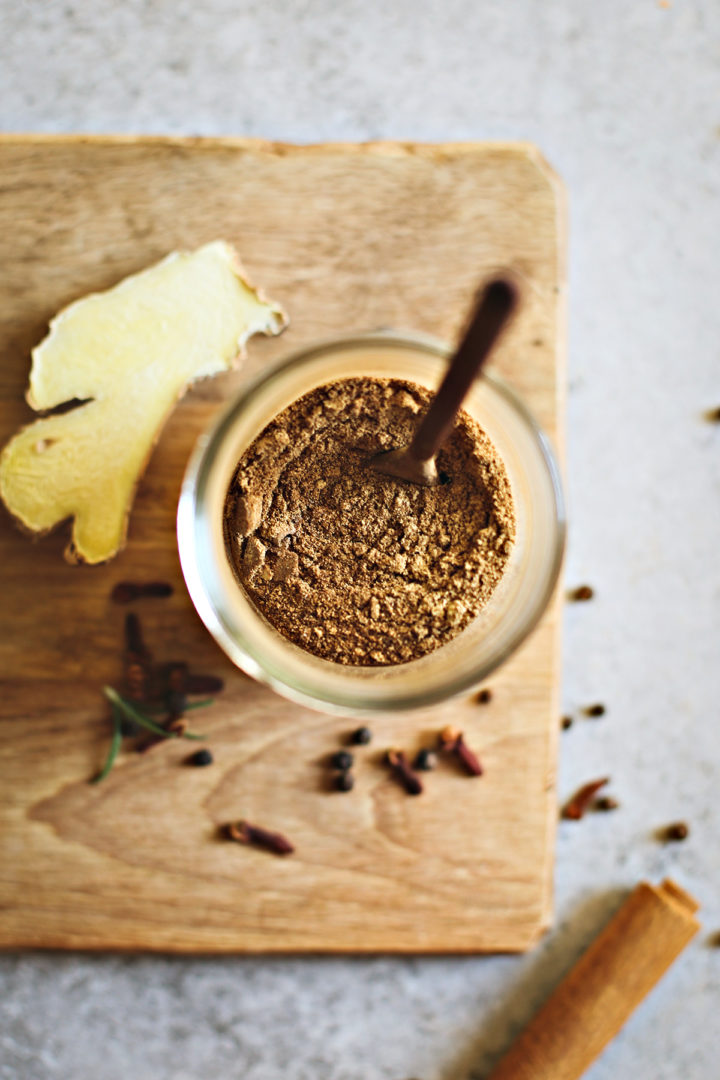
[513, 609]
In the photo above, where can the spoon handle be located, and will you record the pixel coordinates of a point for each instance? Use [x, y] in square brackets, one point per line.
[497, 302]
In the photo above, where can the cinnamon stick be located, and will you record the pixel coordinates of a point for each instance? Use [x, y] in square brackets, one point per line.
[609, 981]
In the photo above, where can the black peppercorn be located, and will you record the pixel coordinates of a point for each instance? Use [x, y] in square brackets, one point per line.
[361, 736]
[606, 802]
[483, 696]
[595, 710]
[342, 759]
[566, 722]
[201, 757]
[345, 781]
[425, 760]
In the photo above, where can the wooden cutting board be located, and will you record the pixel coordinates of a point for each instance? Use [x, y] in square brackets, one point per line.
[345, 237]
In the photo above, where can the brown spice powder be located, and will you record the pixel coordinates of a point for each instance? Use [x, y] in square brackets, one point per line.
[353, 566]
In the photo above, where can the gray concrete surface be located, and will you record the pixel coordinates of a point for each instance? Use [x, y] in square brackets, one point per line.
[624, 99]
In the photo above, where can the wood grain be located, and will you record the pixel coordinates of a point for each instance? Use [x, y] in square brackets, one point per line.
[346, 237]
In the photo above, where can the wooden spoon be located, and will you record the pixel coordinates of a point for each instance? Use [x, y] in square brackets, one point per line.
[416, 462]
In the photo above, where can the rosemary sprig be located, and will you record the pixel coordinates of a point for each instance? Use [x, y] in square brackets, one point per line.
[133, 713]
[114, 745]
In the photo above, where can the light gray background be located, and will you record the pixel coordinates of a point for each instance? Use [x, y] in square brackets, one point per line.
[624, 100]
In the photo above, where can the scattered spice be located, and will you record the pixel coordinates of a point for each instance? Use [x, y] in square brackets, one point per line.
[566, 722]
[361, 736]
[344, 781]
[125, 711]
[595, 710]
[677, 831]
[581, 800]
[176, 725]
[137, 659]
[125, 592]
[425, 760]
[176, 701]
[713, 415]
[176, 676]
[245, 833]
[483, 697]
[398, 762]
[199, 704]
[583, 592]
[342, 759]
[201, 758]
[150, 689]
[203, 684]
[149, 743]
[134, 640]
[134, 713]
[606, 802]
[135, 681]
[453, 742]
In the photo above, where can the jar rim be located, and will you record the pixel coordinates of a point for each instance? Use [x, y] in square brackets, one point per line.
[236, 646]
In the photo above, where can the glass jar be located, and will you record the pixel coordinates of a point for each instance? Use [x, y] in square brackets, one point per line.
[513, 609]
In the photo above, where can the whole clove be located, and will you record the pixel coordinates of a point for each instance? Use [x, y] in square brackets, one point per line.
[583, 592]
[125, 592]
[575, 808]
[148, 688]
[135, 680]
[134, 641]
[176, 701]
[242, 832]
[176, 676]
[203, 684]
[402, 770]
[137, 665]
[175, 725]
[452, 741]
[677, 831]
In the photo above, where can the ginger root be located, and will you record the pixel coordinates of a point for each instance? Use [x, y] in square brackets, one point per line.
[129, 354]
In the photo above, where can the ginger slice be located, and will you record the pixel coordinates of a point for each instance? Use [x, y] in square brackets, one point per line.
[132, 351]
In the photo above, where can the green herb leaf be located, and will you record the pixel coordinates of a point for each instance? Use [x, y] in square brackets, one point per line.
[133, 713]
[114, 745]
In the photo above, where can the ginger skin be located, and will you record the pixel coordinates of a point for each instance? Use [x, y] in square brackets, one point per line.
[129, 354]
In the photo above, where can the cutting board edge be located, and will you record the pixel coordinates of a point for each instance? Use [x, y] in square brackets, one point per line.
[397, 149]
